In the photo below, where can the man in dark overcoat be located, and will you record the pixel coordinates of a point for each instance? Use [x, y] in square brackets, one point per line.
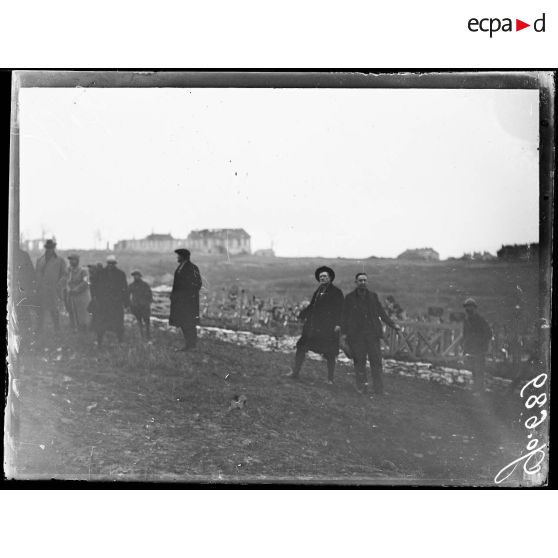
[322, 324]
[141, 298]
[185, 298]
[51, 280]
[95, 271]
[111, 297]
[476, 338]
[362, 330]
[25, 289]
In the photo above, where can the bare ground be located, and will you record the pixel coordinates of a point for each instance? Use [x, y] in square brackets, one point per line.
[143, 412]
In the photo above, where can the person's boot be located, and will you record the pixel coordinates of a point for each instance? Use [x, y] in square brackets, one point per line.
[292, 375]
[377, 383]
[330, 372]
[295, 371]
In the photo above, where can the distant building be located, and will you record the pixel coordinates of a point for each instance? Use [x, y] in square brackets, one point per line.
[33, 245]
[219, 241]
[425, 254]
[152, 243]
[207, 241]
[478, 256]
[265, 253]
[519, 252]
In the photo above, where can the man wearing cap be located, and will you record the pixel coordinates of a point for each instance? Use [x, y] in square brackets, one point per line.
[77, 294]
[140, 302]
[185, 298]
[51, 279]
[362, 330]
[322, 323]
[476, 337]
[111, 297]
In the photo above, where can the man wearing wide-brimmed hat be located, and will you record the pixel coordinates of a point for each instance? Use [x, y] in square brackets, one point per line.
[77, 294]
[51, 281]
[322, 323]
[185, 298]
[476, 338]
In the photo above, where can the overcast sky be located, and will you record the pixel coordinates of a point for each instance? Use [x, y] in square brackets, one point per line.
[326, 172]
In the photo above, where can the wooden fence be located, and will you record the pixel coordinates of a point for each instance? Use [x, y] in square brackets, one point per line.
[424, 340]
[433, 341]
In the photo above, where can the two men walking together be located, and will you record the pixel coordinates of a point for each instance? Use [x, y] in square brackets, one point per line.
[353, 321]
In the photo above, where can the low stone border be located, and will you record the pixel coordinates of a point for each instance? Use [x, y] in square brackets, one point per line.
[420, 370]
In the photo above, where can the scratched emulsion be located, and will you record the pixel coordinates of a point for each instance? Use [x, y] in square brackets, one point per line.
[362, 176]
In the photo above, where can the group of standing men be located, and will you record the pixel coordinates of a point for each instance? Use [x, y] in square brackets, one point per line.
[331, 321]
[94, 298]
[98, 297]
[354, 323]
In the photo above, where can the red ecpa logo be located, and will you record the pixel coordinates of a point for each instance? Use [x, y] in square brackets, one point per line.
[493, 25]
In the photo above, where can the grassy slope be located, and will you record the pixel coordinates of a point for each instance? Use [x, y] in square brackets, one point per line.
[159, 415]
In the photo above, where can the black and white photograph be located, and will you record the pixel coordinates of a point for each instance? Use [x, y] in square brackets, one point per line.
[327, 278]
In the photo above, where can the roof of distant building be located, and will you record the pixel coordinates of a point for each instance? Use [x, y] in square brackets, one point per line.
[218, 233]
[155, 236]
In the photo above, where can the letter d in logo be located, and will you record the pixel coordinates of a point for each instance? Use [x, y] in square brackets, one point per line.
[539, 24]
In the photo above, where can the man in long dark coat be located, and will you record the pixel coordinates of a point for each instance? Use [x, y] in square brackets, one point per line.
[111, 297]
[24, 295]
[322, 323]
[185, 298]
[362, 330]
[51, 279]
[476, 338]
[141, 298]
